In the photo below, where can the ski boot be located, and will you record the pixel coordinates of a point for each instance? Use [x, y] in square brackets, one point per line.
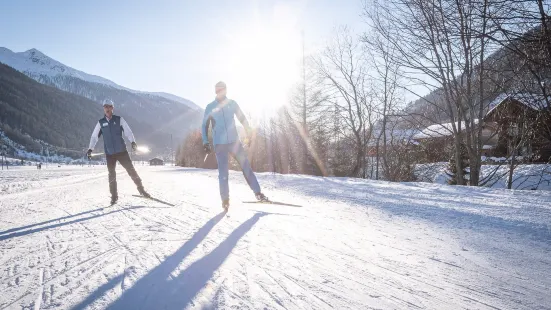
[226, 204]
[144, 193]
[114, 199]
[261, 197]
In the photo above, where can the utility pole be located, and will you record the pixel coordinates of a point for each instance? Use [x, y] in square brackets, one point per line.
[172, 151]
[4, 160]
[306, 135]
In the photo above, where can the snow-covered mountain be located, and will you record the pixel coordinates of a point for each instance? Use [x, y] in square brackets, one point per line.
[42, 68]
[34, 64]
[172, 97]
[156, 114]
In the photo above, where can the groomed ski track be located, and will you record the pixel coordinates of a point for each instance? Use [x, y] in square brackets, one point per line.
[353, 244]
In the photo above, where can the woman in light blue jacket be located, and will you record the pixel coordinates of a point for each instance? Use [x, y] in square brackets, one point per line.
[220, 113]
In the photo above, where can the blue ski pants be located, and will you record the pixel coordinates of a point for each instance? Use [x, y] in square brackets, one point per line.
[222, 155]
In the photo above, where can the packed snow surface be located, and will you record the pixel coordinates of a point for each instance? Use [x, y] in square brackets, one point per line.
[338, 244]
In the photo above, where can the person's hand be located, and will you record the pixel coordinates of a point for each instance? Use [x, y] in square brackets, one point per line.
[89, 154]
[207, 148]
[134, 146]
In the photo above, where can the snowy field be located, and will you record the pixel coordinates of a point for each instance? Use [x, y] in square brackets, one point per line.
[342, 244]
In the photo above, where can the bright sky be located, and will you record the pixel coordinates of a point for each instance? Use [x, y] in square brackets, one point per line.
[181, 47]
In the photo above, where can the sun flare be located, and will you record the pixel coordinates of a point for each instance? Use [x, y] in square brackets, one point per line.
[265, 63]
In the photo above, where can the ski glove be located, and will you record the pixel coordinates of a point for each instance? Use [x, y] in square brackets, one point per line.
[134, 146]
[89, 154]
[206, 146]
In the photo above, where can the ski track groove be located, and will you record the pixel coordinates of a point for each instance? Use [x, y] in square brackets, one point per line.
[296, 282]
[41, 272]
[39, 297]
[51, 187]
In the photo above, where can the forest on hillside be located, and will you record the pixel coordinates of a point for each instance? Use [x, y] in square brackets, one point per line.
[30, 109]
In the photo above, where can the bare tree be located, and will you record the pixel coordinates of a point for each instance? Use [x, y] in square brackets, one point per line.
[523, 31]
[307, 108]
[191, 153]
[438, 47]
[386, 90]
[342, 72]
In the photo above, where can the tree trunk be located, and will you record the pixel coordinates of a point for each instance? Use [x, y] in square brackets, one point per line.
[511, 170]
[359, 155]
[460, 176]
[377, 167]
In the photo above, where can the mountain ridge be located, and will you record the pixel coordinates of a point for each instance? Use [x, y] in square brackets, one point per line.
[36, 64]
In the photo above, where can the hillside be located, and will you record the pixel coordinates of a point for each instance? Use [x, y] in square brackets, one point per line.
[159, 115]
[39, 66]
[505, 73]
[30, 111]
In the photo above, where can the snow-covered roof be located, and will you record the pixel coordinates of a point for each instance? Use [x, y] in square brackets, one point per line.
[393, 135]
[534, 101]
[439, 130]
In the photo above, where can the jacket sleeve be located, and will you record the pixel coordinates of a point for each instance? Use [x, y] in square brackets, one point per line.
[127, 131]
[95, 136]
[205, 125]
[241, 117]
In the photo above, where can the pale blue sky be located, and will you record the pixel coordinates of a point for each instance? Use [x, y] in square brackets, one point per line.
[180, 47]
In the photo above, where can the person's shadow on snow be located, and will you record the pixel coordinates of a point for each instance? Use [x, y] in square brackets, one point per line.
[158, 290]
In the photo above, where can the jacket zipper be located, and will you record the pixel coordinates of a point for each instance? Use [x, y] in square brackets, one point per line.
[111, 134]
[227, 137]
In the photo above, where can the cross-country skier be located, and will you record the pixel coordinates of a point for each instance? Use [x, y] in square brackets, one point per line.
[111, 127]
[220, 113]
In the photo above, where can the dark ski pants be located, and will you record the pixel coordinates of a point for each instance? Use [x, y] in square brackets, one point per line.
[124, 159]
[222, 155]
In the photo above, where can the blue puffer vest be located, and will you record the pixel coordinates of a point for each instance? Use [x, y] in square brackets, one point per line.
[111, 130]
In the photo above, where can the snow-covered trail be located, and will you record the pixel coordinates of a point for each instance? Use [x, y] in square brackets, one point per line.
[352, 244]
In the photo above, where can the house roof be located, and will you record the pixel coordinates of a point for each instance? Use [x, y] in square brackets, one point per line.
[393, 135]
[534, 101]
[155, 159]
[439, 130]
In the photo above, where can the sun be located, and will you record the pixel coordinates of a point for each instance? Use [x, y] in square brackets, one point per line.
[265, 62]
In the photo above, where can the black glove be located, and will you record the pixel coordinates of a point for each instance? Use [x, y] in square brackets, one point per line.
[206, 146]
[89, 154]
[134, 146]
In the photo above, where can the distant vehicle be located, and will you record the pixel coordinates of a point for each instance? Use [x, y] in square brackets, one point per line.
[156, 162]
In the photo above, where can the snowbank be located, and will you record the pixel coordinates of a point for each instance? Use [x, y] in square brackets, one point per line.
[532, 177]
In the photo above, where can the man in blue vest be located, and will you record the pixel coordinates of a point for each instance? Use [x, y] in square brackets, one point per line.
[220, 113]
[111, 127]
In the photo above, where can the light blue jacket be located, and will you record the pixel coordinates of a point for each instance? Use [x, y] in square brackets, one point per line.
[221, 115]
